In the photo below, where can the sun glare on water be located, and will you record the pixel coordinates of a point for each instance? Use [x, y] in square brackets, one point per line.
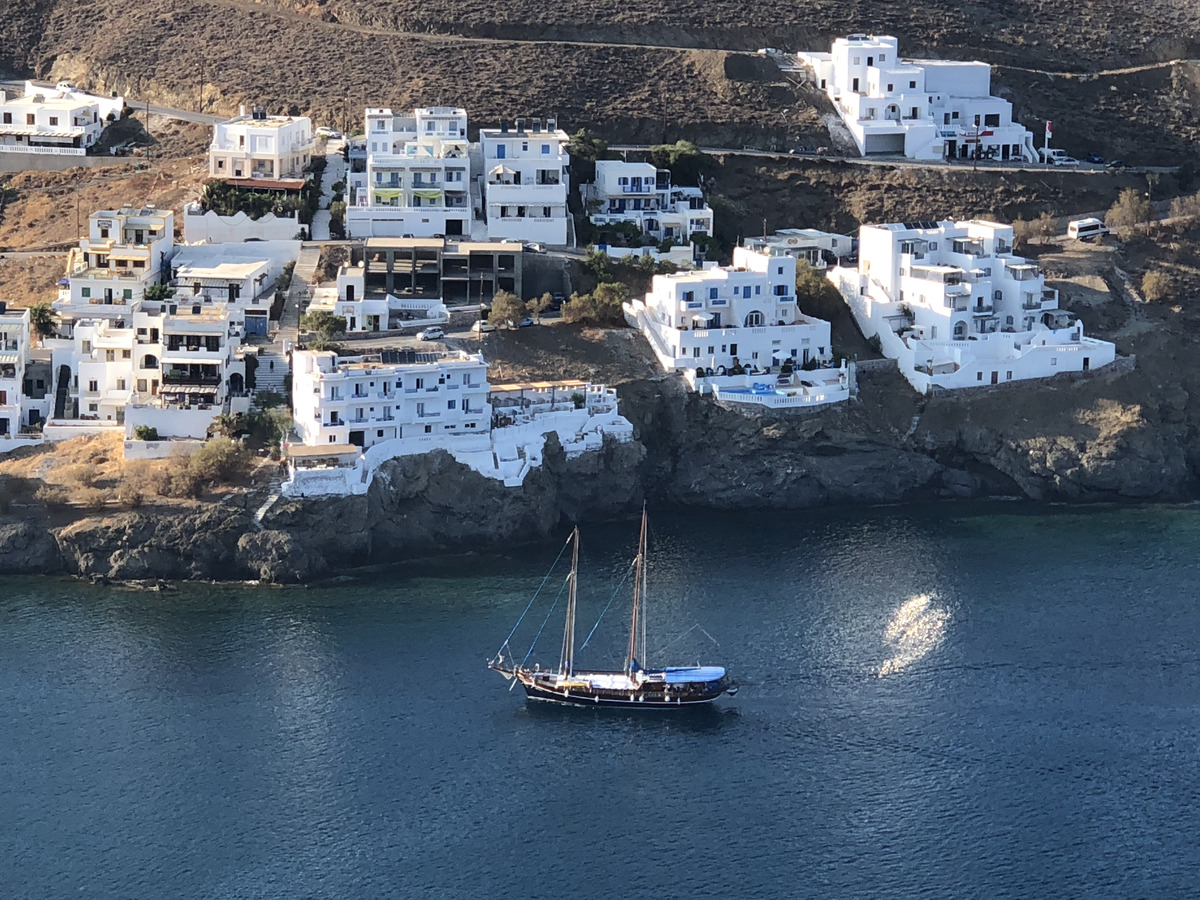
[915, 630]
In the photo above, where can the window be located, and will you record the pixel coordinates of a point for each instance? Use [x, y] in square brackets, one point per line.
[781, 290]
[126, 354]
[1008, 376]
[912, 84]
[753, 319]
[93, 387]
[429, 429]
[85, 292]
[141, 385]
[883, 57]
[857, 60]
[946, 119]
[29, 119]
[110, 355]
[92, 407]
[757, 290]
[1054, 360]
[713, 293]
[127, 294]
[696, 352]
[451, 404]
[779, 271]
[891, 87]
[524, 146]
[8, 118]
[992, 120]
[979, 376]
[120, 384]
[954, 115]
[545, 149]
[710, 350]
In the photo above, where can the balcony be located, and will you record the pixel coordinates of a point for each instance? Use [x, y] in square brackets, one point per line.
[982, 309]
[181, 376]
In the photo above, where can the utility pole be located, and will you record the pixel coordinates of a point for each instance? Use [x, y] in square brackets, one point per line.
[150, 145]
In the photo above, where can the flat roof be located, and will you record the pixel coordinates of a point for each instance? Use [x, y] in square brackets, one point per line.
[538, 385]
[235, 270]
[306, 452]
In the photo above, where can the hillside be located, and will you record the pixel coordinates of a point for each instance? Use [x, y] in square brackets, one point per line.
[332, 57]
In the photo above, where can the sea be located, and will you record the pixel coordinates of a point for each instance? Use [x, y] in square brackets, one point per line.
[959, 700]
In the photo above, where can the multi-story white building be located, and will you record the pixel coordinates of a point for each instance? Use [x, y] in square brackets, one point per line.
[820, 249]
[261, 147]
[642, 194]
[54, 119]
[14, 355]
[417, 181]
[240, 275]
[172, 367]
[526, 179]
[921, 109]
[405, 394]
[125, 251]
[741, 314]
[953, 304]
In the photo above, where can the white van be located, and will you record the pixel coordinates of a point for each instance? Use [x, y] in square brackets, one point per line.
[1085, 229]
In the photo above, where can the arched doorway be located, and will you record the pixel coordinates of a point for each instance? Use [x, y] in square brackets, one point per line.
[754, 319]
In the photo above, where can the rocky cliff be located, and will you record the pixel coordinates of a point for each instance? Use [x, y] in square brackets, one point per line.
[1074, 440]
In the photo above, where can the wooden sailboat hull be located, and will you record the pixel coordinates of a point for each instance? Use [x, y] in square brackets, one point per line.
[647, 696]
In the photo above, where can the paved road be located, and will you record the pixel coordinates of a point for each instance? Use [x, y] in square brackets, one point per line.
[984, 165]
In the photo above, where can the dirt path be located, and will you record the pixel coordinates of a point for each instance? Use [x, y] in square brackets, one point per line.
[1128, 70]
[441, 37]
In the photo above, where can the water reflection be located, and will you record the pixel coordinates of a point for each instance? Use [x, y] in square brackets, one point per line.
[916, 629]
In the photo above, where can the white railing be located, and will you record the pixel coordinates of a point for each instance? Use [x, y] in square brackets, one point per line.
[58, 151]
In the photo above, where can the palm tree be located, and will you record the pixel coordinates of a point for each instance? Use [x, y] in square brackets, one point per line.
[225, 425]
[43, 321]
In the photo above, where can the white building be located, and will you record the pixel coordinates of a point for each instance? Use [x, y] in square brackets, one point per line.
[417, 181]
[169, 366]
[54, 119]
[362, 311]
[642, 194]
[240, 275]
[956, 308]
[125, 251]
[741, 314]
[405, 394]
[921, 109]
[820, 249]
[526, 179]
[14, 356]
[258, 147]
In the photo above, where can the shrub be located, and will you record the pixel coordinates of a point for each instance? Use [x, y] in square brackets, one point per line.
[506, 307]
[323, 322]
[1157, 285]
[1130, 209]
[81, 475]
[220, 461]
[578, 399]
[145, 433]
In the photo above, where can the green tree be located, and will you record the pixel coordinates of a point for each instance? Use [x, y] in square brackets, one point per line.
[324, 323]
[337, 220]
[1130, 209]
[686, 162]
[506, 307]
[608, 298]
[43, 320]
[585, 148]
[226, 425]
[156, 293]
[145, 433]
[538, 305]
[1045, 228]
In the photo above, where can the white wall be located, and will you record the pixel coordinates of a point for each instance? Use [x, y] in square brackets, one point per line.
[210, 228]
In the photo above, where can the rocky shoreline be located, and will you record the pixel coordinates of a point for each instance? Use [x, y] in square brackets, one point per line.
[1076, 441]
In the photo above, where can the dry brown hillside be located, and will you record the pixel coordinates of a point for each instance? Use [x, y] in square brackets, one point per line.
[331, 57]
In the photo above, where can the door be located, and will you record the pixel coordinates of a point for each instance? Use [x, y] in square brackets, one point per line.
[995, 378]
[951, 149]
[454, 226]
[358, 438]
[1087, 363]
[349, 293]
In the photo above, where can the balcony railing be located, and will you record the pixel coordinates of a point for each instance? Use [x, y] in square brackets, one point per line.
[171, 376]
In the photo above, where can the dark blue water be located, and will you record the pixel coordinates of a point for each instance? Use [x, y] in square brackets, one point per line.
[949, 701]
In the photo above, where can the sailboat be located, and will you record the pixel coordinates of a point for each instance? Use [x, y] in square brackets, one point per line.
[635, 685]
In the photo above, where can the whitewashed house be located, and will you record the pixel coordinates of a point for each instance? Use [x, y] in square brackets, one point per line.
[820, 249]
[417, 181]
[957, 308]
[526, 179]
[918, 108]
[240, 275]
[744, 313]
[261, 148]
[14, 356]
[171, 367]
[363, 311]
[126, 250]
[642, 194]
[404, 394]
[54, 119]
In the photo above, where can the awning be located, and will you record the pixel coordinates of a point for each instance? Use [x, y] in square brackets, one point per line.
[701, 317]
[501, 170]
[388, 193]
[428, 195]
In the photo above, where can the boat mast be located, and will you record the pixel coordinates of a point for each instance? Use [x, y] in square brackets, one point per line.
[567, 663]
[637, 629]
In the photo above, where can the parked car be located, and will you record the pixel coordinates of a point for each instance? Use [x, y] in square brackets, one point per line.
[482, 327]
[533, 247]
[525, 322]
[1094, 158]
[1118, 164]
[435, 333]
[1065, 161]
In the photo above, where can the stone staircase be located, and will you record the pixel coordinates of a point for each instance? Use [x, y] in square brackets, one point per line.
[272, 371]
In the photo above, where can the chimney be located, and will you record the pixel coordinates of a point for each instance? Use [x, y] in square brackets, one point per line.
[242, 109]
[504, 126]
[537, 124]
[551, 124]
[520, 125]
